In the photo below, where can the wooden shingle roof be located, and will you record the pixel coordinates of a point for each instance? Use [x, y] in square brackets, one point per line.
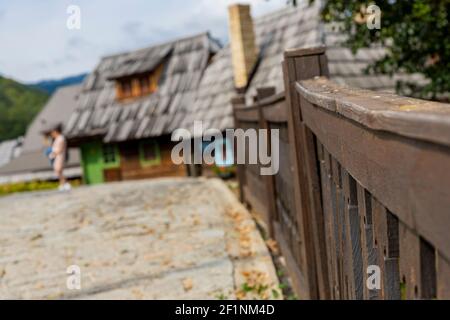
[100, 114]
[212, 104]
[57, 110]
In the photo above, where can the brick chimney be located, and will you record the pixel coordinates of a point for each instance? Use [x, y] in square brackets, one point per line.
[244, 52]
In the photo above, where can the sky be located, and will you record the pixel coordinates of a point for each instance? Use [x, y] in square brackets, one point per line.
[36, 44]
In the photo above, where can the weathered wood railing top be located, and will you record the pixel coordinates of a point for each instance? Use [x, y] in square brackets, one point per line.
[409, 117]
[412, 178]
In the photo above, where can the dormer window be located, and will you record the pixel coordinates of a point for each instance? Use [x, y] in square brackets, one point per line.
[135, 86]
[125, 88]
[145, 85]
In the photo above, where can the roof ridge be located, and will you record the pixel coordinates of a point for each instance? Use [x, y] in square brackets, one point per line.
[280, 11]
[161, 44]
[67, 87]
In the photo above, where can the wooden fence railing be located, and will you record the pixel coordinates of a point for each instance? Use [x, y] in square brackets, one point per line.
[363, 185]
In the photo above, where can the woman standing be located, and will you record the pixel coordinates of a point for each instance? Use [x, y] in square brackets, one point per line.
[58, 154]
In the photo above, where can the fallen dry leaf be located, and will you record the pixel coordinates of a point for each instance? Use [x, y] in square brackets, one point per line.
[138, 294]
[272, 245]
[36, 237]
[39, 285]
[187, 284]
[166, 261]
[240, 295]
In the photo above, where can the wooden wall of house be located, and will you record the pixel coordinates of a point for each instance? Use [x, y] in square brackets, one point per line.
[126, 161]
[131, 166]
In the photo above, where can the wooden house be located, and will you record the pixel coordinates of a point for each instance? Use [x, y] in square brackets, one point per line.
[131, 103]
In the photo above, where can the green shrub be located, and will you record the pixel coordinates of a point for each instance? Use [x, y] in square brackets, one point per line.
[224, 172]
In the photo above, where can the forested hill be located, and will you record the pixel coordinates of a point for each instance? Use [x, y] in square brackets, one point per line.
[50, 86]
[19, 104]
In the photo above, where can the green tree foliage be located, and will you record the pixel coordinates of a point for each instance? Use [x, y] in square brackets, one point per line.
[415, 32]
[19, 104]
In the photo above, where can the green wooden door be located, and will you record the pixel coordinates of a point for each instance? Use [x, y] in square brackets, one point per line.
[92, 162]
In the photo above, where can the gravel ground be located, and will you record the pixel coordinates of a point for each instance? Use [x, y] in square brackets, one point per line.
[176, 238]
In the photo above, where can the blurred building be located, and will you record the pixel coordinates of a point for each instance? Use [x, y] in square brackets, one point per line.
[131, 103]
[30, 162]
[9, 150]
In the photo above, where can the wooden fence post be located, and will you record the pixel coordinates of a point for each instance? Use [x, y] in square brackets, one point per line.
[299, 65]
[262, 93]
[239, 102]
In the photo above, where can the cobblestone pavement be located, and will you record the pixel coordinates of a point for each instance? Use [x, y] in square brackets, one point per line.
[176, 238]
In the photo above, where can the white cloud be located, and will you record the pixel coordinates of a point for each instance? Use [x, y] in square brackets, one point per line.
[36, 43]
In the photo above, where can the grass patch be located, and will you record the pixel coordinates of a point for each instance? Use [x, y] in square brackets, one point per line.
[10, 188]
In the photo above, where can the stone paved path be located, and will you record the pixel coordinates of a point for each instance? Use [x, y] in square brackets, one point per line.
[175, 238]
